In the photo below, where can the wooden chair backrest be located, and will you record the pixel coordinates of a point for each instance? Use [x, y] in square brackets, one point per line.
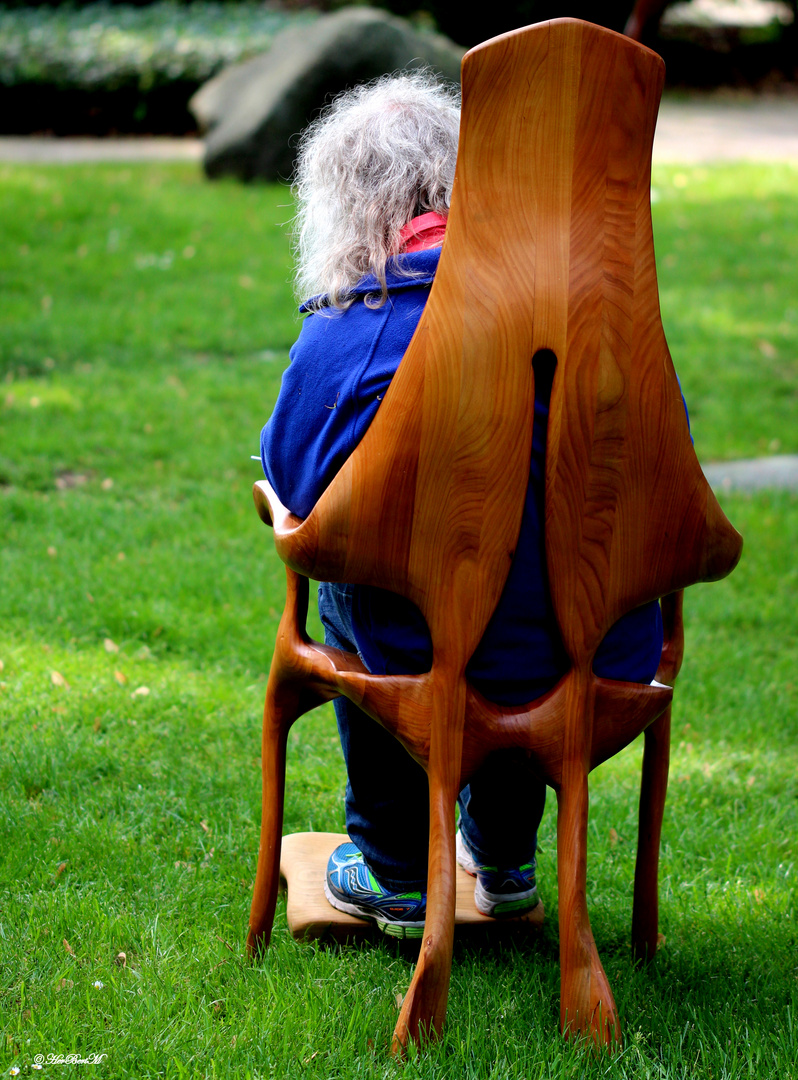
[549, 246]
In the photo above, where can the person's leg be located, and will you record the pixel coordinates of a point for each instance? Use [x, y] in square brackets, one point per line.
[387, 795]
[501, 809]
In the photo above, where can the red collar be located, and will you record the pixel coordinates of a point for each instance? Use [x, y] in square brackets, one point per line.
[424, 231]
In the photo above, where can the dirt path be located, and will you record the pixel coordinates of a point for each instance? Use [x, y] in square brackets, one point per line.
[699, 128]
[717, 128]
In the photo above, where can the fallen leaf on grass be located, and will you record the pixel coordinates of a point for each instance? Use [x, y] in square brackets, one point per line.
[613, 838]
[69, 479]
[204, 825]
[58, 679]
[140, 691]
[110, 646]
[120, 959]
[68, 948]
[120, 677]
[61, 868]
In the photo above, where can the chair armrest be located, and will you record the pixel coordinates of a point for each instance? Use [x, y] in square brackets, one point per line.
[270, 510]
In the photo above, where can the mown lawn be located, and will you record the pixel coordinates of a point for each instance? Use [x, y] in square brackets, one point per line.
[146, 318]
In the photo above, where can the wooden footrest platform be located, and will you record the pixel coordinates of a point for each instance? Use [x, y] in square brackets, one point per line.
[303, 864]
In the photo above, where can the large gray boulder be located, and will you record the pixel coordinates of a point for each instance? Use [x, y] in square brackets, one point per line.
[253, 111]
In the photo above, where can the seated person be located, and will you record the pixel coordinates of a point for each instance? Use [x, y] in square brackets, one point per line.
[373, 186]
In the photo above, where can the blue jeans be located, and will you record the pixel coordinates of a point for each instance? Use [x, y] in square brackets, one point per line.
[387, 795]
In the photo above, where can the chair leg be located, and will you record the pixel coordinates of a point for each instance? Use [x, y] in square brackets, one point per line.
[653, 789]
[424, 1008]
[279, 713]
[587, 1005]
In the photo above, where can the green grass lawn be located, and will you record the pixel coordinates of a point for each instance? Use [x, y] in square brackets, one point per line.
[146, 319]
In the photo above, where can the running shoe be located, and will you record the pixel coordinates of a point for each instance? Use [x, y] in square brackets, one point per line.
[351, 887]
[499, 892]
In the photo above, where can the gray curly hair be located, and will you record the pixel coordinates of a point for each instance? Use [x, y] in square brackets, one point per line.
[376, 156]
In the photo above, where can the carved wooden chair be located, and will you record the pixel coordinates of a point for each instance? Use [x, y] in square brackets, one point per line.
[549, 247]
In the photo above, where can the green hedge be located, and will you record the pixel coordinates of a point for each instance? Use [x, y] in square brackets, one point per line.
[105, 67]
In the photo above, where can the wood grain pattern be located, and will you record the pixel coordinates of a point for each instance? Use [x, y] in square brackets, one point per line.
[549, 246]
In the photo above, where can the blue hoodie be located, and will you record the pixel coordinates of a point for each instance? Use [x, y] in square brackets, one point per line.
[340, 368]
